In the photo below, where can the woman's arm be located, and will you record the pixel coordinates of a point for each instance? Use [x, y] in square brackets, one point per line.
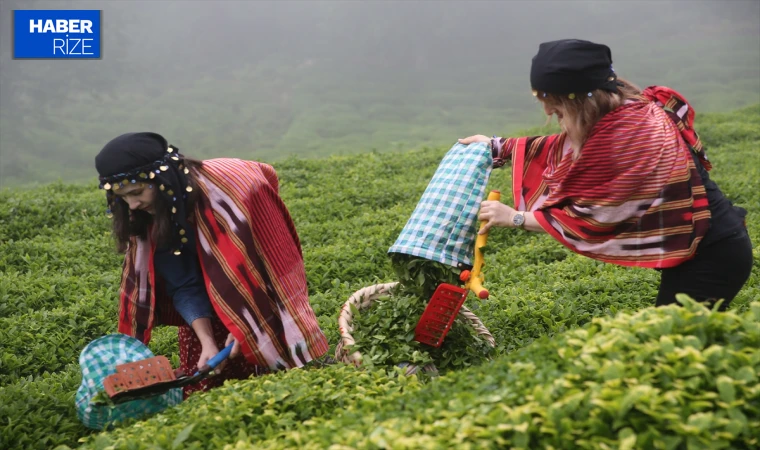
[202, 328]
[496, 213]
[501, 148]
[531, 224]
[183, 283]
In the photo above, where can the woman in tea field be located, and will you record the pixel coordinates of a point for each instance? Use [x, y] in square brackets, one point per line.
[211, 248]
[625, 182]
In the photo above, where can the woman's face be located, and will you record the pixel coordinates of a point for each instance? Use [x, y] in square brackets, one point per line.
[138, 196]
[554, 109]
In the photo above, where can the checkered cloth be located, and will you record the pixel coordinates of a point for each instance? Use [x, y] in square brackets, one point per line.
[98, 360]
[443, 226]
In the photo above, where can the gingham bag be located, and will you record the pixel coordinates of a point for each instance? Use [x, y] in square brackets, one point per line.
[443, 226]
[98, 360]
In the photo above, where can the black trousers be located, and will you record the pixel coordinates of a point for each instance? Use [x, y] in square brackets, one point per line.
[718, 271]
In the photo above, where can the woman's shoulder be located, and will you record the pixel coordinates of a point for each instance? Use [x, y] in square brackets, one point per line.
[629, 113]
[241, 168]
[233, 164]
[634, 123]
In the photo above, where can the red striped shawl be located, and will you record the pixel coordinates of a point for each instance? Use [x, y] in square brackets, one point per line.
[252, 263]
[633, 197]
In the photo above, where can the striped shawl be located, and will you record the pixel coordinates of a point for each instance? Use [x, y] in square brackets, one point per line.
[634, 196]
[252, 264]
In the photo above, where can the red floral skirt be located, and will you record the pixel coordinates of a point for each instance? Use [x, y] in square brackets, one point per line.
[237, 368]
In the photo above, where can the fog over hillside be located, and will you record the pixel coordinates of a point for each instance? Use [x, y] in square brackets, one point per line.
[266, 80]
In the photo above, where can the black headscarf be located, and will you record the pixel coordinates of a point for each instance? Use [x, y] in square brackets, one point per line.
[572, 66]
[147, 157]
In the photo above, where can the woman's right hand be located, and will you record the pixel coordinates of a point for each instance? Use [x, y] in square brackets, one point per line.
[476, 138]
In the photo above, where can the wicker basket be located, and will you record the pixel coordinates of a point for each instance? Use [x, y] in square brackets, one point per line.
[363, 299]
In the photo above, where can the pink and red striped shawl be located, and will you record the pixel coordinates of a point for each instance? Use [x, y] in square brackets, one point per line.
[253, 267]
[633, 197]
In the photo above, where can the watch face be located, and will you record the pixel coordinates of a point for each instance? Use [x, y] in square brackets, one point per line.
[518, 219]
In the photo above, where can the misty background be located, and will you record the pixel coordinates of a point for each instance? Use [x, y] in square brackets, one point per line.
[270, 80]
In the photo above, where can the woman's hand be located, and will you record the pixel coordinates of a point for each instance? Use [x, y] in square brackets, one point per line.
[495, 213]
[235, 348]
[476, 138]
[208, 351]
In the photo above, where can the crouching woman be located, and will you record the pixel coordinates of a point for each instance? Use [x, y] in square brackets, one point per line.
[210, 248]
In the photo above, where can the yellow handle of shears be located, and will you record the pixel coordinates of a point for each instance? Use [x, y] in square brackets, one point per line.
[474, 279]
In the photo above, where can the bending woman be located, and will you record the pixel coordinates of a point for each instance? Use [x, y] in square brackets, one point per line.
[625, 182]
[211, 248]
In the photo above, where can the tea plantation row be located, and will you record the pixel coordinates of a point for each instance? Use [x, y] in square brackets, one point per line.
[669, 378]
[59, 276]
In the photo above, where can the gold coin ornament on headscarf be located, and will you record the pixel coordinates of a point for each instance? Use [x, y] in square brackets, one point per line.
[168, 172]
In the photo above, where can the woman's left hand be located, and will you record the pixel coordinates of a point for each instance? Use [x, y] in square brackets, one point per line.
[235, 348]
[495, 214]
[476, 138]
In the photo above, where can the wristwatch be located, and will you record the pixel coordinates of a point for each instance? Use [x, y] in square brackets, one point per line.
[518, 219]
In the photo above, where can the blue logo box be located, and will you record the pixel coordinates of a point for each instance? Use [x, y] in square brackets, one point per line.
[56, 34]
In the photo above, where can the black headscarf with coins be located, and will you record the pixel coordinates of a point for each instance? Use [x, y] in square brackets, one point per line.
[146, 157]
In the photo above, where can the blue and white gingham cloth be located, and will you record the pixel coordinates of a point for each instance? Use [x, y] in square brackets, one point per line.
[98, 360]
[443, 226]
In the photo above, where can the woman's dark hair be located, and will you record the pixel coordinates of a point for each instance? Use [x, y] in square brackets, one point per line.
[139, 223]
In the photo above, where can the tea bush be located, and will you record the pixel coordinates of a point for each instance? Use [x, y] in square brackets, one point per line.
[672, 377]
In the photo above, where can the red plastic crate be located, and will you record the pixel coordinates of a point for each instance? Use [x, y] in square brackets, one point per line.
[439, 314]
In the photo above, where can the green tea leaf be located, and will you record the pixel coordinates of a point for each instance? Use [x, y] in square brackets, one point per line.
[182, 436]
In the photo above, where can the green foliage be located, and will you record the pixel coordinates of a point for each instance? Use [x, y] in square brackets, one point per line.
[673, 377]
[420, 277]
[267, 406]
[40, 413]
[59, 276]
[384, 335]
[47, 340]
